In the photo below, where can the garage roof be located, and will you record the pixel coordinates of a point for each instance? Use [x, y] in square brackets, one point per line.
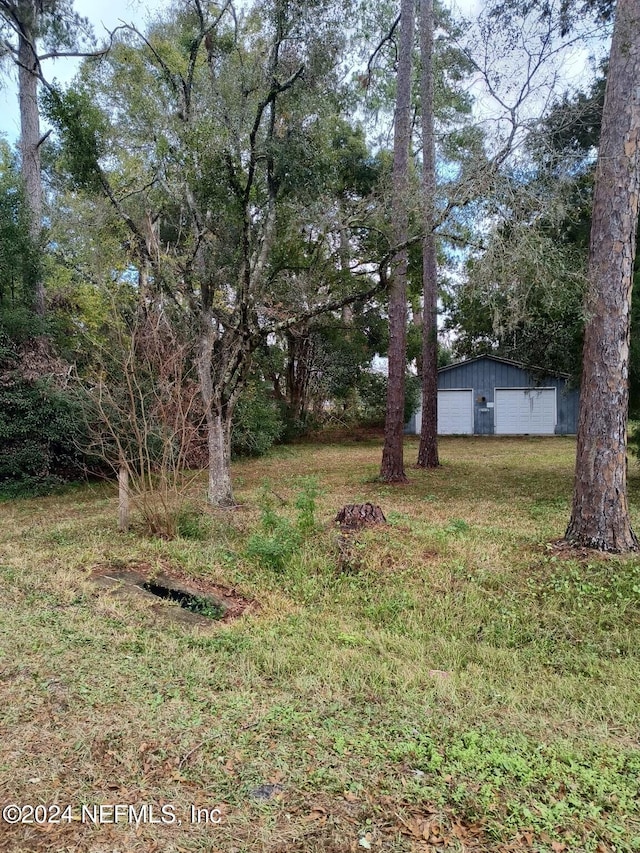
[529, 367]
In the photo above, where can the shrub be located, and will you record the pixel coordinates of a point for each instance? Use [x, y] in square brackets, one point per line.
[143, 419]
[257, 423]
[41, 434]
[372, 391]
[280, 537]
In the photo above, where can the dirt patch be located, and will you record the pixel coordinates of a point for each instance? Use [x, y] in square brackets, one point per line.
[341, 435]
[565, 550]
[142, 580]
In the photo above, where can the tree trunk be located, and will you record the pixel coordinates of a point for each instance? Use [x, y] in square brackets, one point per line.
[345, 264]
[600, 513]
[428, 450]
[218, 420]
[392, 468]
[30, 139]
[299, 369]
[220, 491]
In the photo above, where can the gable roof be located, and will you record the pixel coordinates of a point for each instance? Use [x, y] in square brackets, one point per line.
[528, 367]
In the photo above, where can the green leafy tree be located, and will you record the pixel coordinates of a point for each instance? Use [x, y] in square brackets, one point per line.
[32, 32]
[209, 162]
[40, 423]
[19, 257]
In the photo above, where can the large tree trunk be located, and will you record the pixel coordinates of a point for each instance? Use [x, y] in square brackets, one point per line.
[600, 514]
[428, 450]
[218, 420]
[220, 492]
[30, 136]
[392, 468]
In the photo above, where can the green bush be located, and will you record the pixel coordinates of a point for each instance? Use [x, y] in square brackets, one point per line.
[41, 434]
[257, 423]
[372, 393]
[278, 540]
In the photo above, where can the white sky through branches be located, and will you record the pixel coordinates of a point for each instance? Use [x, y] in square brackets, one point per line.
[571, 69]
[104, 15]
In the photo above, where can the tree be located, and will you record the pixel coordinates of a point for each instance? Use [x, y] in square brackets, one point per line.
[22, 24]
[522, 297]
[600, 513]
[525, 278]
[320, 359]
[217, 163]
[19, 262]
[39, 423]
[448, 208]
[428, 450]
[392, 467]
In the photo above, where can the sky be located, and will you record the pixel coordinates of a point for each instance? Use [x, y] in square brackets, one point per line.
[105, 15]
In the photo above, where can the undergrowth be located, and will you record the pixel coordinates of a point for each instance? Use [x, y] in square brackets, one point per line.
[279, 536]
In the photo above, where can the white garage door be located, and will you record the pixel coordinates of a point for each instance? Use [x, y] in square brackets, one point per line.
[521, 411]
[455, 412]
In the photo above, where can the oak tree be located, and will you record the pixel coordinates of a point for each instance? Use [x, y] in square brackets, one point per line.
[207, 135]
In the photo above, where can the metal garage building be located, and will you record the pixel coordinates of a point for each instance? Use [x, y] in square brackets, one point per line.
[495, 396]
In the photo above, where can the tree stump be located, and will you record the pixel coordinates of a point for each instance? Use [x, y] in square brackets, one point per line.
[357, 516]
[354, 517]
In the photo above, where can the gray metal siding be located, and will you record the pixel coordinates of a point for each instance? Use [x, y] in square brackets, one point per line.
[485, 375]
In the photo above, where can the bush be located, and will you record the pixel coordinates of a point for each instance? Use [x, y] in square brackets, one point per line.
[372, 391]
[40, 438]
[280, 538]
[257, 423]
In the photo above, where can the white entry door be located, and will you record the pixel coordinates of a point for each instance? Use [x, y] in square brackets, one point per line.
[455, 412]
[525, 411]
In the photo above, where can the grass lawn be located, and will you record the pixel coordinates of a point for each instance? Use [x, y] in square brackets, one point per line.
[461, 685]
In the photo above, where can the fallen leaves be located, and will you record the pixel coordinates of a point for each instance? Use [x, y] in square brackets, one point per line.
[316, 814]
[432, 829]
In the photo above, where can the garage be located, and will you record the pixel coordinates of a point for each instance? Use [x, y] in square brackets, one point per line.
[455, 412]
[488, 395]
[525, 411]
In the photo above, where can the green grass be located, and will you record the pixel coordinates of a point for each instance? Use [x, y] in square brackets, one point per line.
[465, 682]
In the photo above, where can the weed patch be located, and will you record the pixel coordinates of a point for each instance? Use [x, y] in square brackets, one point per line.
[281, 537]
